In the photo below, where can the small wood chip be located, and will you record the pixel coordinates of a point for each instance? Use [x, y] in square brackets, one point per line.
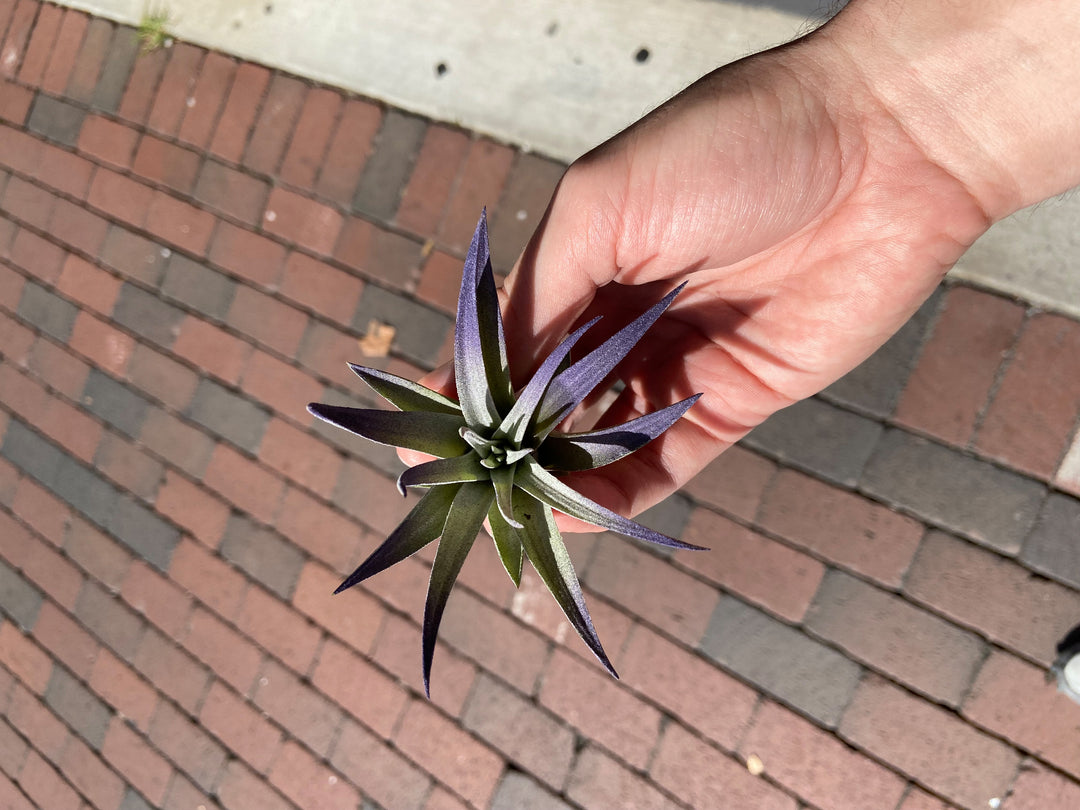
[376, 343]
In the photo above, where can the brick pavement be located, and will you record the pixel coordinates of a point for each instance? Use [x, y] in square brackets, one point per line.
[191, 248]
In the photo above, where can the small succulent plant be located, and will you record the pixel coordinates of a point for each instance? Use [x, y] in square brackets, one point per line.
[498, 451]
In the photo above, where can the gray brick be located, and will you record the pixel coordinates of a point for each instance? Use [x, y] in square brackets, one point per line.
[114, 402]
[18, 598]
[1052, 548]
[47, 311]
[196, 285]
[669, 517]
[142, 531]
[518, 791]
[147, 315]
[960, 493]
[116, 71]
[819, 437]
[32, 454]
[421, 332]
[134, 256]
[133, 801]
[87, 69]
[56, 120]
[387, 169]
[264, 555]
[884, 631]
[780, 660]
[179, 443]
[228, 415]
[523, 202]
[876, 384]
[109, 619]
[77, 706]
[86, 491]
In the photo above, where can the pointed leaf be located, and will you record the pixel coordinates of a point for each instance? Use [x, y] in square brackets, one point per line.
[574, 384]
[462, 525]
[507, 542]
[434, 433]
[470, 336]
[453, 470]
[587, 451]
[496, 365]
[422, 525]
[517, 422]
[405, 394]
[502, 478]
[549, 557]
[541, 484]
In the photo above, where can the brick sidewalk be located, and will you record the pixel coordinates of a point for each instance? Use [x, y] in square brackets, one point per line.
[190, 249]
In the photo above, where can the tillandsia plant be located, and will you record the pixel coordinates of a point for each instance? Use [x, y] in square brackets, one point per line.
[498, 452]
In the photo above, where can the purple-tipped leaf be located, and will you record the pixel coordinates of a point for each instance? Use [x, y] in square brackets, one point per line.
[462, 525]
[544, 546]
[587, 451]
[453, 470]
[544, 486]
[423, 524]
[507, 542]
[405, 394]
[434, 433]
[574, 384]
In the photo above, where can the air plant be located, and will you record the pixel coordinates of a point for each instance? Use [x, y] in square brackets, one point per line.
[498, 452]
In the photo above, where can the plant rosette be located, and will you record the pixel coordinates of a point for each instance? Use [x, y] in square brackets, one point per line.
[498, 453]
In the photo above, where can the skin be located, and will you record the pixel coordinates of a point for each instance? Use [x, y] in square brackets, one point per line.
[813, 196]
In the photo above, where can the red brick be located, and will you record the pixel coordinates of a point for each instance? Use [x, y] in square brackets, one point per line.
[281, 631]
[177, 83]
[483, 572]
[161, 376]
[11, 282]
[271, 134]
[120, 196]
[90, 775]
[24, 658]
[167, 164]
[244, 484]
[88, 64]
[189, 747]
[310, 138]
[85, 231]
[232, 658]
[928, 743]
[319, 530]
[300, 457]
[271, 322]
[1010, 698]
[208, 577]
[14, 102]
[482, 180]
[917, 799]
[1031, 417]
[89, 285]
[432, 181]
[240, 789]
[98, 555]
[303, 712]
[206, 99]
[179, 223]
[448, 753]
[349, 150]
[131, 755]
[309, 783]
[231, 192]
[22, 395]
[18, 32]
[36, 256]
[1028, 614]
[238, 114]
[326, 351]
[108, 141]
[29, 203]
[302, 221]
[950, 383]
[193, 508]
[21, 151]
[249, 255]
[815, 765]
[380, 254]
[41, 510]
[183, 796]
[362, 690]
[123, 689]
[442, 799]
[353, 616]
[43, 729]
[284, 388]
[110, 620]
[380, 772]
[440, 281]
[599, 782]
[11, 796]
[102, 344]
[211, 348]
[1038, 788]
[58, 368]
[324, 289]
[653, 588]
[240, 726]
[46, 30]
[64, 51]
[129, 466]
[45, 786]
[155, 597]
[171, 670]
[64, 171]
[16, 339]
[64, 638]
[139, 94]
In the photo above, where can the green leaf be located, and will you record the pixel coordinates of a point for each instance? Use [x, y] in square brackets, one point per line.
[549, 557]
[422, 525]
[454, 470]
[405, 394]
[507, 542]
[502, 478]
[462, 525]
[434, 433]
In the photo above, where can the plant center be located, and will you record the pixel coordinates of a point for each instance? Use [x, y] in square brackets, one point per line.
[498, 451]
